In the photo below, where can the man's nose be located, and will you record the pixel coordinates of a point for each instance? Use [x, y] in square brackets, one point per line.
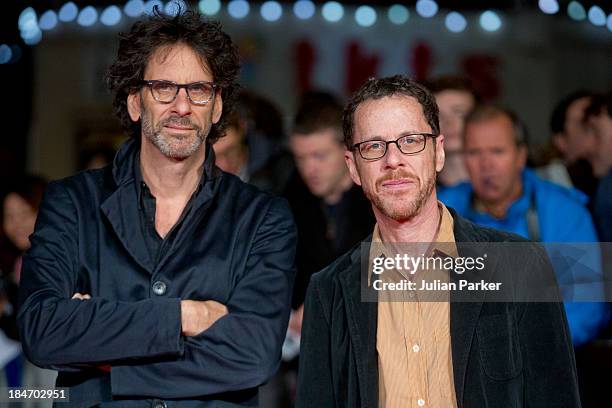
[311, 170]
[182, 104]
[487, 161]
[394, 157]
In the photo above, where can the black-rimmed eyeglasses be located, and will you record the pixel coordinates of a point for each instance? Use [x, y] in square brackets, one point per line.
[408, 144]
[199, 93]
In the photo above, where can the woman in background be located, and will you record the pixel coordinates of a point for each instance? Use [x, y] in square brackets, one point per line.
[20, 205]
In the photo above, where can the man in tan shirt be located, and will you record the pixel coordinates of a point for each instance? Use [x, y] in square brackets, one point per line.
[418, 351]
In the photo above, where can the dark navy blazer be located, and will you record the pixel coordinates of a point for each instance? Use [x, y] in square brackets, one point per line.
[236, 246]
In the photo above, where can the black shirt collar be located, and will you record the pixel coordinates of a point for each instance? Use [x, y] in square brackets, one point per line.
[208, 172]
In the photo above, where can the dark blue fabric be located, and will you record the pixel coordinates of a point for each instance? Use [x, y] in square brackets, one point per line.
[13, 371]
[603, 208]
[236, 246]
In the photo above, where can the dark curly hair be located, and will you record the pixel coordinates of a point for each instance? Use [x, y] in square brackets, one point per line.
[377, 88]
[206, 38]
[559, 114]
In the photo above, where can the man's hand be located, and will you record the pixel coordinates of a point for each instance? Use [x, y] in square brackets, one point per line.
[199, 315]
[295, 321]
[81, 296]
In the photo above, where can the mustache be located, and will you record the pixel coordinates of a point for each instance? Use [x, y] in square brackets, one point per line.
[395, 175]
[488, 181]
[178, 121]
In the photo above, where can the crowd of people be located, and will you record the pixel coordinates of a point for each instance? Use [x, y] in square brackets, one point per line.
[492, 175]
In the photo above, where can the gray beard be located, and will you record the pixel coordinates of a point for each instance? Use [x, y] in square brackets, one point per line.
[172, 146]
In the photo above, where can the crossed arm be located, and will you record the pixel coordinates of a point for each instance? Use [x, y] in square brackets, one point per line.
[212, 347]
[196, 315]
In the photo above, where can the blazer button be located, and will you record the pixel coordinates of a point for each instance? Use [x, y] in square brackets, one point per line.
[159, 288]
[158, 404]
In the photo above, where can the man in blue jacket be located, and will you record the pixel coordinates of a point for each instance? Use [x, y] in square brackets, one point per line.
[503, 194]
[161, 277]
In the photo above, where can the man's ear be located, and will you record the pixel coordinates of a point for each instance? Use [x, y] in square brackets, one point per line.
[558, 140]
[349, 158]
[217, 108]
[440, 154]
[134, 106]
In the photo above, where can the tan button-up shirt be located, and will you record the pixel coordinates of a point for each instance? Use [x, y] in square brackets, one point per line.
[413, 338]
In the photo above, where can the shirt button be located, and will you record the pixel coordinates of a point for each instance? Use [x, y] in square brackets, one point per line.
[159, 288]
[421, 402]
[416, 348]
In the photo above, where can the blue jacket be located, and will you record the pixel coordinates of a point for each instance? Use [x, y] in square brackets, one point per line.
[235, 246]
[562, 217]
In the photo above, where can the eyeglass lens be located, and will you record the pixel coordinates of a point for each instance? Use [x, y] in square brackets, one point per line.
[376, 149]
[199, 92]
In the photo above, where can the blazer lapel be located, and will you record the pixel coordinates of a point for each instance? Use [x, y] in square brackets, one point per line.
[362, 321]
[463, 319]
[465, 308]
[122, 212]
[120, 205]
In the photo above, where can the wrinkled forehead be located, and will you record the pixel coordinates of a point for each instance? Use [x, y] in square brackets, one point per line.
[398, 113]
[166, 53]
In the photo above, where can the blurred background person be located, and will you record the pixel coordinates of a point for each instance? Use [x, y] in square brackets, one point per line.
[505, 195]
[331, 212]
[11, 359]
[594, 361]
[599, 119]
[19, 211]
[231, 150]
[254, 146]
[574, 141]
[455, 98]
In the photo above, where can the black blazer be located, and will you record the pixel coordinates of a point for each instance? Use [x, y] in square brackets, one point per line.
[235, 246]
[504, 354]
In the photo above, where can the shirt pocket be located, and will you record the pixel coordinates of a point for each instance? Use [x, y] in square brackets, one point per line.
[499, 347]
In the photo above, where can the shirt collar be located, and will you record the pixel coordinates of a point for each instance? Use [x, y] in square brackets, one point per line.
[207, 172]
[443, 245]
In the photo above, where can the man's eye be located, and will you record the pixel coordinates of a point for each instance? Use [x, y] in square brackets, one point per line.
[164, 87]
[198, 89]
[374, 146]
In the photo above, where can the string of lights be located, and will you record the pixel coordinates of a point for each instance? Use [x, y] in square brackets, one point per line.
[32, 26]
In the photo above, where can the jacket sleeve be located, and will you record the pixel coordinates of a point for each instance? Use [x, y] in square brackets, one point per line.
[549, 366]
[65, 334]
[243, 349]
[315, 386]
